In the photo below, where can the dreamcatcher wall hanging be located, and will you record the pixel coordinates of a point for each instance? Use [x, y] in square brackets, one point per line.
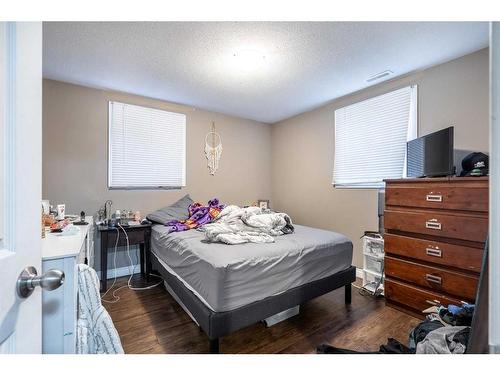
[213, 150]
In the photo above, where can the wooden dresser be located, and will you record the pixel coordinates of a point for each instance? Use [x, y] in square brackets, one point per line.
[435, 230]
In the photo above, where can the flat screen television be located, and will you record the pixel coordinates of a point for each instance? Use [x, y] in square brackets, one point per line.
[431, 155]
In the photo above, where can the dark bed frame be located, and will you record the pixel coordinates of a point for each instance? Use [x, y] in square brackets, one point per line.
[218, 324]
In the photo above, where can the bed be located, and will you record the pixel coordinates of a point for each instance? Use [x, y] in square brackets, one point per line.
[228, 287]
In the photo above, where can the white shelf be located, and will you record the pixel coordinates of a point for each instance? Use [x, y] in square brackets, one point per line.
[374, 256]
[378, 274]
[373, 260]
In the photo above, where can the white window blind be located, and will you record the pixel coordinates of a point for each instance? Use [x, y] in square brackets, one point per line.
[371, 136]
[147, 147]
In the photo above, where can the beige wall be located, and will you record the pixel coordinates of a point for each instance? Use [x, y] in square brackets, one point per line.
[75, 123]
[454, 93]
[290, 162]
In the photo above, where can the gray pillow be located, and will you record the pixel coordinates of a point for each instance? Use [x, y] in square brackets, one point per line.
[176, 211]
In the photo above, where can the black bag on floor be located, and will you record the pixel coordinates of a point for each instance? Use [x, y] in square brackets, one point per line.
[393, 346]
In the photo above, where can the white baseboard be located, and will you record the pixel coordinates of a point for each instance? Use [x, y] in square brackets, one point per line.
[359, 272]
[120, 272]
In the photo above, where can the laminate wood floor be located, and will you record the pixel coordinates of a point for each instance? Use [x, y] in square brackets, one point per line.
[152, 322]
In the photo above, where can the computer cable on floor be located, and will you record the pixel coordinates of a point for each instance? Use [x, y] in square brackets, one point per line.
[132, 267]
[129, 283]
[115, 298]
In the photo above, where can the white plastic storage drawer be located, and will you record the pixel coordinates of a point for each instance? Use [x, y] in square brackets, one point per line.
[374, 265]
[373, 246]
[371, 281]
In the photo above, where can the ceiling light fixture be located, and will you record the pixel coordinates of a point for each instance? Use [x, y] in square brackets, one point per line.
[380, 75]
[248, 60]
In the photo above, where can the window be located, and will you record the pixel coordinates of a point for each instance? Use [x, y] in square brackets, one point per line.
[371, 136]
[147, 147]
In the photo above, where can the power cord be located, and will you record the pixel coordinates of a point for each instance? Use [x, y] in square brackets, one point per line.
[116, 298]
[129, 283]
[133, 266]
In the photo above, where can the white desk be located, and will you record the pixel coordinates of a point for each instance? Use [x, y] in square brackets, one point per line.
[60, 306]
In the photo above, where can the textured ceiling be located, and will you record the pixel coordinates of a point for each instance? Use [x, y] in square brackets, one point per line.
[305, 64]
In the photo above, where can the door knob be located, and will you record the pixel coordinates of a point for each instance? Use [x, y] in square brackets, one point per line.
[28, 280]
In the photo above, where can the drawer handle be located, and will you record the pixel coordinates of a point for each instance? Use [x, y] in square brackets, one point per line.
[434, 198]
[434, 252]
[433, 302]
[433, 279]
[433, 224]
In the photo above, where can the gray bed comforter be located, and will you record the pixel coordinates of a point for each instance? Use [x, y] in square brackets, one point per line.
[227, 277]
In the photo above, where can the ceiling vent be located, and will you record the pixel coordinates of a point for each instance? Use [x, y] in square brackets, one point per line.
[380, 75]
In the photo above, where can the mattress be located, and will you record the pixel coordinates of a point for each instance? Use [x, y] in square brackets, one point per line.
[226, 277]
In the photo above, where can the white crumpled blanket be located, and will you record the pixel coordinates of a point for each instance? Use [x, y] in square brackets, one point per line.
[236, 225]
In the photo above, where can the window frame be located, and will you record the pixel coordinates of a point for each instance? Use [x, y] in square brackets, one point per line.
[109, 151]
[412, 133]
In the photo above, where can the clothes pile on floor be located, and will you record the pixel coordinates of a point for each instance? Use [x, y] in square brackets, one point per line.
[445, 330]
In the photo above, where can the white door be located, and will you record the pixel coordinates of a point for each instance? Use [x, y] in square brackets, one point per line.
[20, 187]
[494, 252]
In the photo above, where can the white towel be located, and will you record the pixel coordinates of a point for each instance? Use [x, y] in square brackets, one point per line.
[96, 333]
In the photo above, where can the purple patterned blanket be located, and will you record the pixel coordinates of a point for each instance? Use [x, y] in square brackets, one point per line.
[198, 216]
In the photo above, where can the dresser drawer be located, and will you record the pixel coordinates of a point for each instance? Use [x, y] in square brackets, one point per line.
[467, 258]
[463, 227]
[413, 297]
[433, 278]
[439, 197]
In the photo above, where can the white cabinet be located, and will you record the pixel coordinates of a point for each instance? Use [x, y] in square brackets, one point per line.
[60, 306]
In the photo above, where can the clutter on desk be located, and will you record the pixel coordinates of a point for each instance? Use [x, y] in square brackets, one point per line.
[124, 214]
[48, 220]
[69, 230]
[58, 226]
[82, 219]
[61, 210]
[101, 214]
[104, 212]
[45, 206]
[124, 217]
[61, 228]
[56, 221]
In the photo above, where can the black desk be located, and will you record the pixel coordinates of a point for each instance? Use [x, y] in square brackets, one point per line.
[137, 235]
